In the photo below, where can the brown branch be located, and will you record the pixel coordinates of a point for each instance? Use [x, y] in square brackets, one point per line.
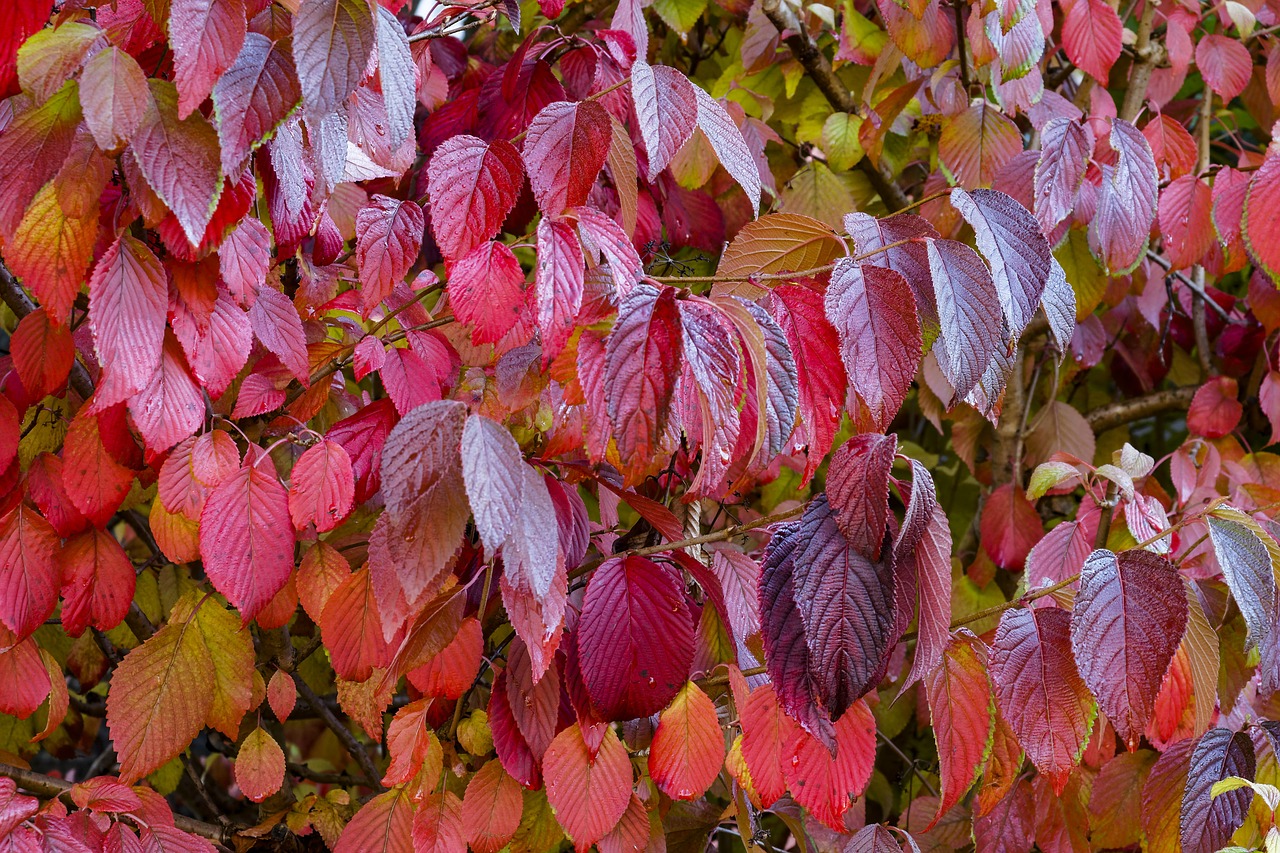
[1149, 54]
[21, 305]
[1119, 413]
[833, 89]
[353, 746]
[50, 788]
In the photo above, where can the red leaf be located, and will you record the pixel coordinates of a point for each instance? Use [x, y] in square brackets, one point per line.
[352, 628]
[282, 694]
[1010, 826]
[388, 238]
[491, 809]
[846, 606]
[321, 487]
[259, 765]
[589, 795]
[14, 807]
[641, 354]
[105, 794]
[180, 159]
[1215, 410]
[976, 144]
[45, 488]
[814, 343]
[786, 651]
[425, 495]
[667, 109]
[874, 312]
[128, 302]
[635, 638]
[1039, 691]
[604, 241]
[437, 825]
[486, 291]
[739, 577]
[1010, 527]
[332, 41]
[1127, 622]
[244, 258]
[206, 36]
[858, 489]
[96, 483]
[25, 680]
[1062, 551]
[97, 582]
[363, 435]
[1259, 226]
[714, 363]
[246, 538]
[1091, 36]
[688, 747]
[766, 732]
[534, 699]
[450, 673]
[29, 570]
[1121, 225]
[959, 692]
[193, 468]
[1230, 188]
[1065, 146]
[253, 97]
[559, 282]
[43, 353]
[385, 824]
[276, 324]
[1225, 63]
[565, 147]
[1162, 795]
[473, 185]
[1207, 821]
[510, 745]
[822, 782]
[931, 556]
[1184, 215]
[171, 407]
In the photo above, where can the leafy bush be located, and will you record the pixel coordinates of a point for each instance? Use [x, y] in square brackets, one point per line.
[638, 425]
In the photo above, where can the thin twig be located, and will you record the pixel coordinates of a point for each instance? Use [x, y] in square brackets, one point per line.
[354, 747]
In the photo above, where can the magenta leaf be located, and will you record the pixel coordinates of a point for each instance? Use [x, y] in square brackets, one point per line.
[1208, 822]
[858, 489]
[667, 108]
[564, 150]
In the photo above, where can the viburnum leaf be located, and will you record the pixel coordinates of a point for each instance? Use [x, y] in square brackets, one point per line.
[388, 238]
[180, 158]
[604, 242]
[641, 354]
[171, 407]
[730, 146]
[1127, 621]
[929, 552]
[512, 749]
[1039, 691]
[253, 97]
[715, 364]
[97, 582]
[425, 494]
[960, 699]
[564, 149]
[1247, 567]
[635, 638]
[385, 824]
[486, 291]
[451, 672]
[352, 627]
[246, 537]
[29, 570]
[1215, 410]
[128, 302]
[1091, 37]
[206, 37]
[823, 782]
[775, 242]
[231, 651]
[113, 95]
[437, 824]
[332, 41]
[43, 353]
[766, 731]
[1184, 214]
[589, 792]
[845, 602]
[160, 697]
[786, 650]
[473, 185]
[667, 109]
[1259, 228]
[491, 470]
[193, 468]
[1008, 235]
[1225, 63]
[899, 244]
[874, 312]
[688, 746]
[558, 280]
[491, 809]
[1121, 225]
[51, 251]
[1208, 822]
[858, 489]
[1065, 146]
[968, 311]
[95, 482]
[321, 487]
[739, 577]
[1010, 527]
[398, 75]
[282, 695]
[976, 144]
[259, 765]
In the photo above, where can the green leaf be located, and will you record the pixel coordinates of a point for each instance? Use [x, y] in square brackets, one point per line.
[840, 136]
[680, 15]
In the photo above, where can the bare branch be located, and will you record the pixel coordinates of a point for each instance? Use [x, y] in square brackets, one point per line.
[1122, 412]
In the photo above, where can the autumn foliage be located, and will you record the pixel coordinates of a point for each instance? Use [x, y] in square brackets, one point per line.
[640, 425]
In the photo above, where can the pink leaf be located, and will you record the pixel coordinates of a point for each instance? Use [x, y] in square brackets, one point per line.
[1120, 227]
[1065, 146]
[486, 291]
[206, 36]
[276, 324]
[253, 97]
[564, 148]
[128, 301]
[559, 282]
[473, 185]
[667, 109]
[171, 407]
[388, 239]
[1184, 214]
[1091, 36]
[1225, 63]
[968, 309]
[322, 487]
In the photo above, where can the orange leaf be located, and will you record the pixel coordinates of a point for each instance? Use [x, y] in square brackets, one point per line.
[491, 809]
[766, 731]
[589, 796]
[437, 826]
[259, 765]
[384, 825]
[282, 694]
[688, 747]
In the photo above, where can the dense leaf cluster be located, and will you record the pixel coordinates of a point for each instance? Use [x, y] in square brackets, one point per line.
[639, 425]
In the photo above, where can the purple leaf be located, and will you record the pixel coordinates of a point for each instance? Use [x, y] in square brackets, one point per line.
[1207, 821]
[858, 490]
[968, 310]
[1065, 146]
[1121, 225]
[667, 108]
